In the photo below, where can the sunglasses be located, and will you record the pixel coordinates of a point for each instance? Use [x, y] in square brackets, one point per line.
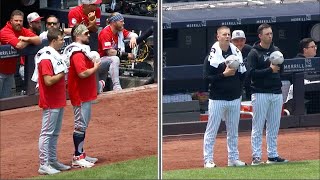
[52, 23]
[86, 33]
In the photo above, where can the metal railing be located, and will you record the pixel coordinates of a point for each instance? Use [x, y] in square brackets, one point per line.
[136, 23]
[30, 98]
[297, 67]
[193, 4]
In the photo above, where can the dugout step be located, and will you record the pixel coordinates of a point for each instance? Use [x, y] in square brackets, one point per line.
[129, 82]
[178, 112]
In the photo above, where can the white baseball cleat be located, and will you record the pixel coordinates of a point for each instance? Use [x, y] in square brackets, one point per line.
[81, 162]
[210, 164]
[90, 159]
[59, 166]
[236, 163]
[46, 169]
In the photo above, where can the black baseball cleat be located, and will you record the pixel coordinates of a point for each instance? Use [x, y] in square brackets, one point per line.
[256, 161]
[276, 160]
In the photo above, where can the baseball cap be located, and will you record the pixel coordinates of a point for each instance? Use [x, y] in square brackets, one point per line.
[276, 57]
[233, 62]
[32, 17]
[80, 30]
[238, 34]
[91, 1]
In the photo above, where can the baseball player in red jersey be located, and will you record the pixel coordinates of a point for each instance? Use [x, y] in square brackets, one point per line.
[82, 91]
[88, 14]
[52, 98]
[111, 48]
[14, 34]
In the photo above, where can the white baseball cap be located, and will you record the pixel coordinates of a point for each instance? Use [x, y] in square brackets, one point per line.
[233, 62]
[236, 34]
[276, 57]
[91, 1]
[32, 17]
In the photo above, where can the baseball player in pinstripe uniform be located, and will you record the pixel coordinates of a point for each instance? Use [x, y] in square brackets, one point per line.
[49, 73]
[266, 98]
[225, 82]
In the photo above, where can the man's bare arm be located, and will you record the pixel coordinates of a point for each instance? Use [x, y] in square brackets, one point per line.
[67, 31]
[35, 40]
[21, 45]
[93, 27]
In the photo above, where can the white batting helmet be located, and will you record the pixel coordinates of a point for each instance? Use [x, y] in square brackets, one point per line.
[276, 58]
[232, 62]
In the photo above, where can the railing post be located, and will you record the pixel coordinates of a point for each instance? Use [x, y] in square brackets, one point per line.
[29, 68]
[298, 94]
[155, 51]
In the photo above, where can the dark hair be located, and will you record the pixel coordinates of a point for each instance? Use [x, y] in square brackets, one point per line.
[54, 34]
[50, 16]
[262, 27]
[16, 13]
[304, 43]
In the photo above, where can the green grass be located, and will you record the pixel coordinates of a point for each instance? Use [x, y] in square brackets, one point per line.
[292, 170]
[145, 168]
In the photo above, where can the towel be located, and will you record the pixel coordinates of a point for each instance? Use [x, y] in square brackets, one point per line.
[56, 59]
[121, 42]
[216, 57]
[75, 47]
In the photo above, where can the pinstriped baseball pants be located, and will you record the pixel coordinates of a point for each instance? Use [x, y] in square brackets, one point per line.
[217, 109]
[82, 116]
[266, 107]
[50, 130]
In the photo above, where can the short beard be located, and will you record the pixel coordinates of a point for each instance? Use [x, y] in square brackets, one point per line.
[37, 31]
[86, 42]
[119, 29]
[16, 28]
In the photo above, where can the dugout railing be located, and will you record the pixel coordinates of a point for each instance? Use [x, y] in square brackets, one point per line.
[187, 40]
[188, 78]
[137, 23]
[30, 97]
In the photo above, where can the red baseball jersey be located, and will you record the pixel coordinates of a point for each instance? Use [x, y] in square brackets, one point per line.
[53, 96]
[81, 89]
[108, 40]
[10, 36]
[76, 16]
